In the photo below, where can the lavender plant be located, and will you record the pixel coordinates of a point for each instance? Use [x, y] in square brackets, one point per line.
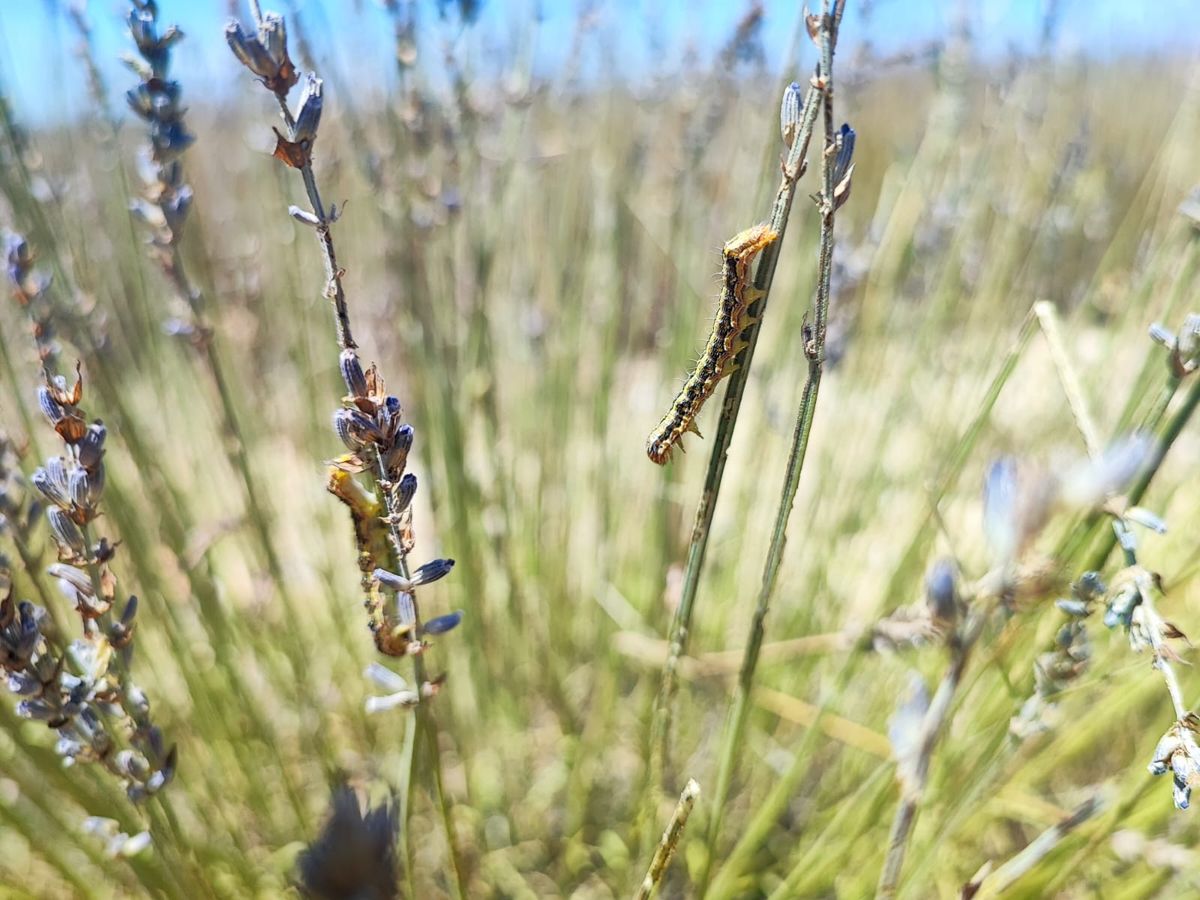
[369, 422]
[1131, 601]
[84, 690]
[166, 196]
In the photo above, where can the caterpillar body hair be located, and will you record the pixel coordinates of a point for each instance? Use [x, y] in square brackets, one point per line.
[724, 343]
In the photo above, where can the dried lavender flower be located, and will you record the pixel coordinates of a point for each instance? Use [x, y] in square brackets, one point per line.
[405, 492]
[432, 571]
[352, 374]
[265, 54]
[309, 117]
[790, 112]
[84, 690]
[843, 166]
[1178, 753]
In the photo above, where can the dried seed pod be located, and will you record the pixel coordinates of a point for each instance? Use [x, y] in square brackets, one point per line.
[843, 166]
[72, 577]
[50, 407]
[52, 490]
[56, 469]
[79, 490]
[121, 633]
[309, 117]
[352, 374]
[133, 764]
[343, 425]
[135, 699]
[66, 534]
[790, 112]
[95, 483]
[303, 216]
[389, 416]
[405, 492]
[266, 53]
[38, 710]
[250, 52]
[272, 34]
[91, 448]
[19, 637]
[396, 456]
[364, 427]
[23, 684]
[406, 610]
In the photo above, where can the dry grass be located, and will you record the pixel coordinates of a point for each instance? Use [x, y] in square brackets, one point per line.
[532, 271]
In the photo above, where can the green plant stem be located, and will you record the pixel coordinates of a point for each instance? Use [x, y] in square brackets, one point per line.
[814, 350]
[767, 812]
[793, 168]
[669, 841]
[1019, 865]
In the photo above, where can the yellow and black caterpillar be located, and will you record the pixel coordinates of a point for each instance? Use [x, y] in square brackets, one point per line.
[724, 343]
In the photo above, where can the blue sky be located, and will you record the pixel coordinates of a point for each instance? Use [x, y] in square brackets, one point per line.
[44, 80]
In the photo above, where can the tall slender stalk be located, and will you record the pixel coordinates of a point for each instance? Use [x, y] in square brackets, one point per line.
[793, 167]
[834, 167]
[669, 841]
[931, 729]
[370, 425]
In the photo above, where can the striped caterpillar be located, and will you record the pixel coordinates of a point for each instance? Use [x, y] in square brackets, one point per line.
[724, 344]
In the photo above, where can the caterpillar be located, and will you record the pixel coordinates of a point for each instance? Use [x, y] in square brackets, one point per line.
[724, 344]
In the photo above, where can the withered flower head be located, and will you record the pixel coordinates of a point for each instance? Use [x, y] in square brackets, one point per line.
[265, 54]
[1179, 754]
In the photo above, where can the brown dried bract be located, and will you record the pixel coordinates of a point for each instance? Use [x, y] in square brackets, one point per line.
[297, 154]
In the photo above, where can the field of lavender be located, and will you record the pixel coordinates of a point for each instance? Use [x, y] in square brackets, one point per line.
[332, 563]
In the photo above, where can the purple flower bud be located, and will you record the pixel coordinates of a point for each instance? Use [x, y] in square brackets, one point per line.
[392, 581]
[53, 489]
[790, 111]
[50, 407]
[91, 448]
[396, 456]
[405, 492]
[309, 117]
[66, 533]
[352, 374]
[941, 592]
[432, 571]
[443, 624]
[79, 490]
[343, 420]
